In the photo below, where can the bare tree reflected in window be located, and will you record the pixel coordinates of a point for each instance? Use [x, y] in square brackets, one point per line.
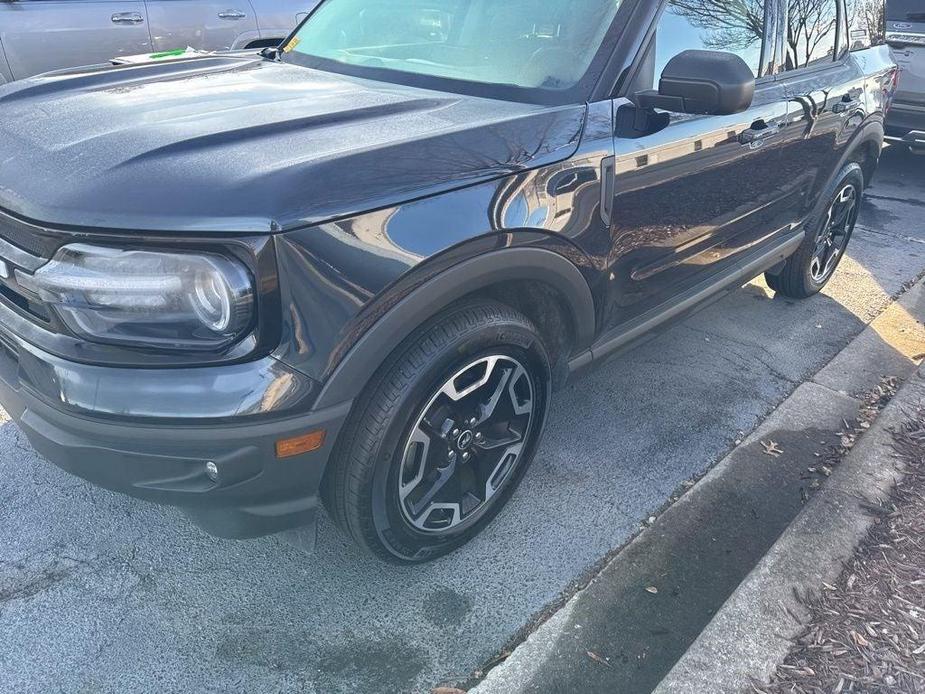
[868, 16]
[811, 29]
[738, 26]
[730, 25]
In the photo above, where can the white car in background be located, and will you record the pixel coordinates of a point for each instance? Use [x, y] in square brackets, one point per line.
[41, 35]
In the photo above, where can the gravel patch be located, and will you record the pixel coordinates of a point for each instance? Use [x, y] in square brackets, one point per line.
[867, 631]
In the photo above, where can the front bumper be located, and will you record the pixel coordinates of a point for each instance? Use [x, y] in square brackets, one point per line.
[150, 432]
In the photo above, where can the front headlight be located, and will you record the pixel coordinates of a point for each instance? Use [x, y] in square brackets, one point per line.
[186, 301]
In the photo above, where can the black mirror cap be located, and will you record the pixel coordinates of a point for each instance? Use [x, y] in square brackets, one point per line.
[703, 82]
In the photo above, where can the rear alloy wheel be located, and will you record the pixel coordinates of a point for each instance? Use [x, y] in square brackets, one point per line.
[444, 433]
[810, 268]
[832, 239]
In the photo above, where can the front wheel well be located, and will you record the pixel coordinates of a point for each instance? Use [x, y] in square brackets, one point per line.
[544, 286]
[546, 308]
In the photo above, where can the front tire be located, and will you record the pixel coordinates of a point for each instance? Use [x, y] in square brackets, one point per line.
[442, 435]
[811, 267]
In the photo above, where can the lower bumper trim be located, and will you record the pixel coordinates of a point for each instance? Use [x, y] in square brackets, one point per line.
[254, 493]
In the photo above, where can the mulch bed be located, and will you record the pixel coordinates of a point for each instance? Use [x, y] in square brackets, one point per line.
[867, 632]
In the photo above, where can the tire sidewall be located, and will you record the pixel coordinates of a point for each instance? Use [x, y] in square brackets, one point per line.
[851, 173]
[398, 537]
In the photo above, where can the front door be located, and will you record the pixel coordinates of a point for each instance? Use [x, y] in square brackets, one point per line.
[691, 199]
[209, 25]
[43, 35]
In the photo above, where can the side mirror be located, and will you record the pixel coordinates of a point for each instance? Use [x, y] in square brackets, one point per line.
[707, 82]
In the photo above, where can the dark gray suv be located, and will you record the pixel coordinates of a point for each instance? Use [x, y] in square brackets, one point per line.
[353, 270]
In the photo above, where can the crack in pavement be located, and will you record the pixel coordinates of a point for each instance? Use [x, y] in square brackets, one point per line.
[888, 234]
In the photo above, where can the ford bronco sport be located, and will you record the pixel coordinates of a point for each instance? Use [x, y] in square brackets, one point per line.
[352, 270]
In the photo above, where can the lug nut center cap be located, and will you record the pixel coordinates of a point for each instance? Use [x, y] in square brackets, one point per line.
[465, 440]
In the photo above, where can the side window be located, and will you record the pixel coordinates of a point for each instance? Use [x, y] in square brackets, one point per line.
[812, 27]
[867, 23]
[736, 26]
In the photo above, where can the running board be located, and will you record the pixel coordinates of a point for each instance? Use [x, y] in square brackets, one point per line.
[631, 332]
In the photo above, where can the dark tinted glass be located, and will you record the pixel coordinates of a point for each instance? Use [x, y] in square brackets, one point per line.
[521, 43]
[906, 10]
[736, 26]
[812, 26]
[866, 21]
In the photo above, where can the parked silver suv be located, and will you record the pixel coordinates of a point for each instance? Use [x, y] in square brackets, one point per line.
[41, 35]
[905, 32]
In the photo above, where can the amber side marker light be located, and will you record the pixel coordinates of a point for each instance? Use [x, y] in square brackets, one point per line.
[286, 448]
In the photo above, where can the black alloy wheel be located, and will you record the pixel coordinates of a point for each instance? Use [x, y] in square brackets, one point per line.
[442, 435]
[832, 239]
[466, 443]
[812, 265]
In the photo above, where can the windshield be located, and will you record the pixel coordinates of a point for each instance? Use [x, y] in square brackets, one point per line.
[547, 44]
[905, 10]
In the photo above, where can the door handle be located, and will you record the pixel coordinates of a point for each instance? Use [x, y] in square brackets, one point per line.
[847, 103]
[231, 14]
[608, 188]
[758, 132]
[127, 18]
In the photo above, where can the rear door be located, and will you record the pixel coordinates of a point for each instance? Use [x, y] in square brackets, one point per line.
[827, 91]
[210, 25]
[43, 35]
[694, 197]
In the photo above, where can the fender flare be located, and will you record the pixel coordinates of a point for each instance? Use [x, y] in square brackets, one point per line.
[360, 363]
[869, 131]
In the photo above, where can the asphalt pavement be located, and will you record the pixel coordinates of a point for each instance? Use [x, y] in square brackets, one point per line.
[99, 592]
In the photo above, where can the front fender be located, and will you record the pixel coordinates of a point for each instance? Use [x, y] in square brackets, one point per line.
[359, 364]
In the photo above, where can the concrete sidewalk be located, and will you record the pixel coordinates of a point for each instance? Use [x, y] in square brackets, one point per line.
[631, 625]
[752, 633]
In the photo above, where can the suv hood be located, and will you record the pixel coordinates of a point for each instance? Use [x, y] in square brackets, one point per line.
[236, 143]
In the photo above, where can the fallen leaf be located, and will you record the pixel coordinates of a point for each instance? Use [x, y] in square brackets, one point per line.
[772, 449]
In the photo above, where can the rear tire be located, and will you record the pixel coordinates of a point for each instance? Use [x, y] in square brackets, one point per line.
[811, 267]
[398, 482]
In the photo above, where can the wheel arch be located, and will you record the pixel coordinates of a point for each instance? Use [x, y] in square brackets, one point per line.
[476, 276]
[864, 148]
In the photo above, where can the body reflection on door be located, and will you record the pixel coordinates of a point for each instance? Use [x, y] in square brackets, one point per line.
[690, 199]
